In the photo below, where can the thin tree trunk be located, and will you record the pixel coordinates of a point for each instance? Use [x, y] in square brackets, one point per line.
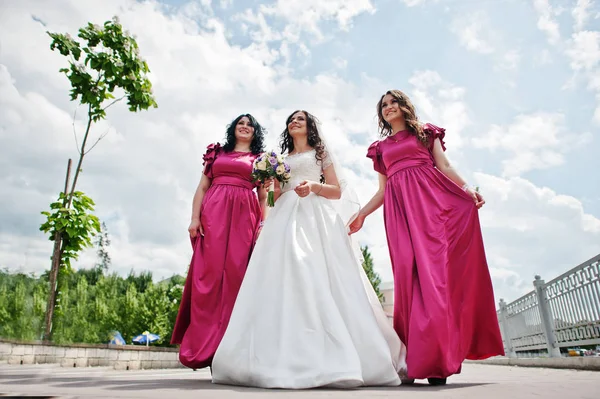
[81, 155]
[53, 277]
[58, 250]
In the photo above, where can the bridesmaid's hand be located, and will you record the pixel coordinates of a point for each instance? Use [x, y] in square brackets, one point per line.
[196, 228]
[304, 188]
[477, 198]
[356, 224]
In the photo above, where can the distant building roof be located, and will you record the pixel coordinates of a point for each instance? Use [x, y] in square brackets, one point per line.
[167, 280]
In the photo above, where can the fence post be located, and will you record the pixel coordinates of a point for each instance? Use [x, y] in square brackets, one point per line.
[510, 351]
[546, 316]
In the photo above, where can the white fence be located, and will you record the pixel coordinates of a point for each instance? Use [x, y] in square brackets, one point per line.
[561, 313]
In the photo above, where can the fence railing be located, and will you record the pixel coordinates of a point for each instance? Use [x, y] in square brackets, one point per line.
[561, 313]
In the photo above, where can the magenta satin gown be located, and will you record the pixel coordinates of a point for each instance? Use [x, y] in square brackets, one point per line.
[230, 216]
[444, 307]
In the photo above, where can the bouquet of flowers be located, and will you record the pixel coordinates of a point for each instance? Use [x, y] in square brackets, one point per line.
[270, 165]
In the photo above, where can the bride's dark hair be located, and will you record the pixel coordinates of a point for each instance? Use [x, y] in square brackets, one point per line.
[313, 138]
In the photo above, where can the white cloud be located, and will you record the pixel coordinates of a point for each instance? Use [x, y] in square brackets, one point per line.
[340, 63]
[262, 30]
[226, 3]
[582, 48]
[543, 57]
[546, 20]
[413, 3]
[535, 141]
[305, 16]
[531, 230]
[473, 31]
[510, 60]
[596, 117]
[581, 13]
[441, 103]
[584, 51]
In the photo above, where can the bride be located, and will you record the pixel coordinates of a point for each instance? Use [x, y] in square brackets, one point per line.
[306, 315]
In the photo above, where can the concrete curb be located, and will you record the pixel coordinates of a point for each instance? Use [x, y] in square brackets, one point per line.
[590, 363]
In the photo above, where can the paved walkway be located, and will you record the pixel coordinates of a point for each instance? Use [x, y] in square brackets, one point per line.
[477, 381]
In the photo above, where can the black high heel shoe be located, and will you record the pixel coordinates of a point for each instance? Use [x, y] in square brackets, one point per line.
[437, 381]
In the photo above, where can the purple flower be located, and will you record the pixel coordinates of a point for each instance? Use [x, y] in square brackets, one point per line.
[273, 161]
[287, 168]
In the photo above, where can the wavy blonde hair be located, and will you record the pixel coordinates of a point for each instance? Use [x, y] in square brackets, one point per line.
[410, 116]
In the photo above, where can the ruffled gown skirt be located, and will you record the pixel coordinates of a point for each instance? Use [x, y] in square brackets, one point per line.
[443, 298]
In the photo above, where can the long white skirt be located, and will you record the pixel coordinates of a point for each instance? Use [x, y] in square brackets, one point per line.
[306, 315]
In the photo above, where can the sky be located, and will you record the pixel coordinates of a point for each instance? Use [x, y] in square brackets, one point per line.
[516, 84]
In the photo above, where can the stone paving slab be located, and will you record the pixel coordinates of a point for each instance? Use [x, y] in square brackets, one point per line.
[476, 381]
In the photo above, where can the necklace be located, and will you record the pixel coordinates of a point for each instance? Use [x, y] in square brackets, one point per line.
[395, 134]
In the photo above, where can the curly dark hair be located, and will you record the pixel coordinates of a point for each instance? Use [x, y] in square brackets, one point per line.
[257, 146]
[410, 116]
[312, 130]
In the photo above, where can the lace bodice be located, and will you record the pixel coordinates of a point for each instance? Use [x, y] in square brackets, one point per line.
[303, 166]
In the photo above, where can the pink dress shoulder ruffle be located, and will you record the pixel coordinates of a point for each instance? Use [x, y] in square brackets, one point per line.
[209, 157]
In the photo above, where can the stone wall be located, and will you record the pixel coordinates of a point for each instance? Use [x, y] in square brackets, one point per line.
[120, 357]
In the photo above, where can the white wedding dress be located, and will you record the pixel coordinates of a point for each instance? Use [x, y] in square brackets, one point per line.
[306, 315]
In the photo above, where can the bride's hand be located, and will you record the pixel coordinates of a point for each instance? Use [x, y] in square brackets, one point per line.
[304, 188]
[268, 182]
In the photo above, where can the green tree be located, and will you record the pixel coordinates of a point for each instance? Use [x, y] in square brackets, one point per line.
[141, 281]
[370, 271]
[75, 225]
[87, 311]
[130, 323]
[109, 290]
[20, 296]
[103, 62]
[76, 319]
[174, 293]
[102, 244]
[154, 312]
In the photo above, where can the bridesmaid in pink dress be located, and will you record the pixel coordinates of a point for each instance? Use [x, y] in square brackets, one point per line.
[226, 219]
[443, 298]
